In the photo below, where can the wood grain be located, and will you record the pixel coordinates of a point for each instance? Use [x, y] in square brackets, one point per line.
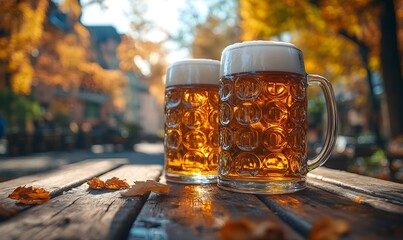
[81, 213]
[57, 181]
[358, 183]
[302, 209]
[385, 204]
[198, 212]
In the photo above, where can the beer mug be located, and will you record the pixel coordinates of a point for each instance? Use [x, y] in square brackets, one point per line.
[263, 118]
[191, 121]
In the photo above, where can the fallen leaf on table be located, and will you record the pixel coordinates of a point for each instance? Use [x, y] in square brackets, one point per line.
[112, 183]
[142, 187]
[116, 183]
[7, 212]
[244, 229]
[358, 199]
[326, 228]
[30, 195]
[96, 183]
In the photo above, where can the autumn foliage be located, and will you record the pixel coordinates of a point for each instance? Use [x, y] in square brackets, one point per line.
[30, 195]
[116, 183]
[247, 230]
[324, 228]
[341, 41]
[112, 183]
[33, 50]
[149, 63]
[96, 183]
[141, 187]
[21, 29]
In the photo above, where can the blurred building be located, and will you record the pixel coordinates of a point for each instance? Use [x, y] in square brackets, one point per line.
[104, 42]
[86, 107]
[79, 105]
[139, 102]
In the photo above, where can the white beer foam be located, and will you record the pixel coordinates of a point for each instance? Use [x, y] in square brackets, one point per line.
[261, 56]
[193, 71]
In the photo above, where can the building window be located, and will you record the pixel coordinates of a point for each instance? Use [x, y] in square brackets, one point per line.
[92, 110]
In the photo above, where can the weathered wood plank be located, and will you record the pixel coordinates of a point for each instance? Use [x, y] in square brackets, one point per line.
[368, 185]
[82, 213]
[67, 174]
[57, 181]
[197, 212]
[302, 209]
[385, 204]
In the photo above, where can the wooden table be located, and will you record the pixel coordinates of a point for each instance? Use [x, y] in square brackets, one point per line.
[372, 208]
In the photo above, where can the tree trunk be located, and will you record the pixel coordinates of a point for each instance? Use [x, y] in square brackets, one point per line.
[391, 70]
[373, 100]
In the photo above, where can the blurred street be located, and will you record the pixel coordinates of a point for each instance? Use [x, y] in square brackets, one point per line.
[12, 167]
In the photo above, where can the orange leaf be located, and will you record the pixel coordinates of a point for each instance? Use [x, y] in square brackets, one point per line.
[30, 195]
[16, 193]
[329, 229]
[142, 187]
[116, 183]
[96, 183]
[243, 229]
[237, 229]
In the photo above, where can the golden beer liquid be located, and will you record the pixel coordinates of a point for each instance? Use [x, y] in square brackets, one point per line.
[262, 126]
[191, 130]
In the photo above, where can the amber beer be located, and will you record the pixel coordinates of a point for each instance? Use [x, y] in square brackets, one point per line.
[263, 118]
[191, 123]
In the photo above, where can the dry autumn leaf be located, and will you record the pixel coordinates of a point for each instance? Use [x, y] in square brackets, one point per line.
[244, 229]
[96, 183]
[116, 183]
[112, 183]
[30, 195]
[142, 187]
[326, 228]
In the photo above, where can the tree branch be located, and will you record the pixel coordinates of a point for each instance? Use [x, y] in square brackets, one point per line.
[352, 38]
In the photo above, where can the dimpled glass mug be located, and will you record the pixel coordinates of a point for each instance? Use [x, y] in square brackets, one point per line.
[191, 121]
[263, 118]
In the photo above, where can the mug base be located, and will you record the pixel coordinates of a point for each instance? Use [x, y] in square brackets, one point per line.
[195, 179]
[266, 187]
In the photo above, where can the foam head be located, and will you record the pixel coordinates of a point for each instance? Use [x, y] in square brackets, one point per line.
[193, 71]
[261, 56]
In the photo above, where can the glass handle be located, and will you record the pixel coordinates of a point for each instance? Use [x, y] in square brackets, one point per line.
[331, 130]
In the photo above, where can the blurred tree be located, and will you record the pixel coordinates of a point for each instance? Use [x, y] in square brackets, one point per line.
[40, 42]
[21, 27]
[18, 109]
[211, 37]
[206, 33]
[147, 60]
[63, 58]
[333, 32]
[139, 54]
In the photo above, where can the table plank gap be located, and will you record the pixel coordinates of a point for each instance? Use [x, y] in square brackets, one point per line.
[95, 214]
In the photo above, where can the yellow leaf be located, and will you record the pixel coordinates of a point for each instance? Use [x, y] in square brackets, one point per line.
[142, 187]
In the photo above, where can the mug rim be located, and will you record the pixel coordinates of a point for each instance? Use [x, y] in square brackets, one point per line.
[194, 61]
[260, 43]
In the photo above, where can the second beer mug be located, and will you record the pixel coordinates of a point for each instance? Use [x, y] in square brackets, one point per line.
[191, 124]
[263, 118]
